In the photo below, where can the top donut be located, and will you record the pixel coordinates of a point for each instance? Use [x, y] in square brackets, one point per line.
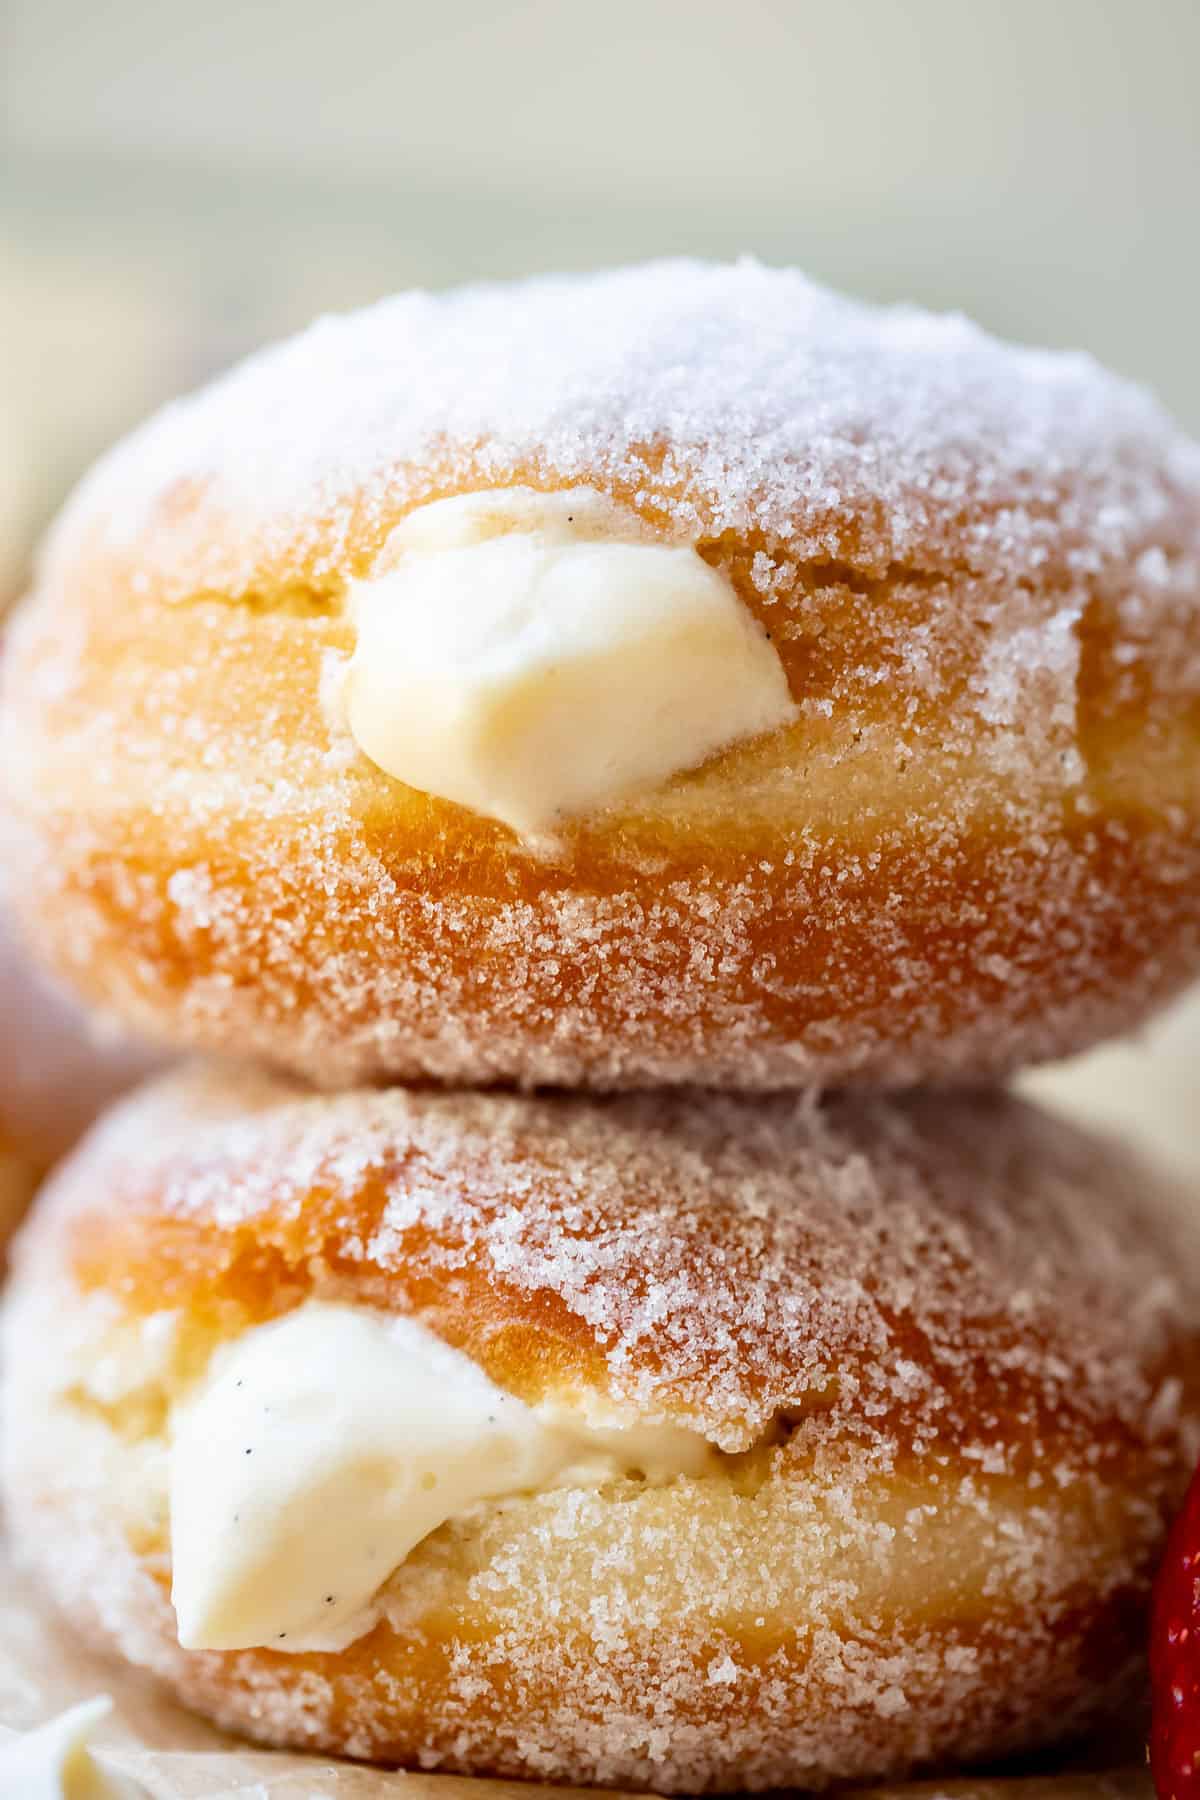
[679, 674]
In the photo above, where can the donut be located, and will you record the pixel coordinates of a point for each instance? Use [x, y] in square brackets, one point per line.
[676, 1442]
[679, 674]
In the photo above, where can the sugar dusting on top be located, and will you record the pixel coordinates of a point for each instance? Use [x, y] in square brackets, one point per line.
[978, 844]
[725, 1258]
[761, 401]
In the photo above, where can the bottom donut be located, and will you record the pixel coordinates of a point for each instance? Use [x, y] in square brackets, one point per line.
[684, 1443]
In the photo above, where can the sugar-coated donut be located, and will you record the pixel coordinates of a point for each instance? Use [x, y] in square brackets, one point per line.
[977, 842]
[945, 1352]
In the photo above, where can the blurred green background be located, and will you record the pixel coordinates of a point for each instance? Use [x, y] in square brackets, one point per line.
[180, 183]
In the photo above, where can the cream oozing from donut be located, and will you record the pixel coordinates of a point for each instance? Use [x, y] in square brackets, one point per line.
[322, 1447]
[55, 1761]
[532, 656]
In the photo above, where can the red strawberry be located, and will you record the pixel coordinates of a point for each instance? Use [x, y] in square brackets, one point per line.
[1175, 1659]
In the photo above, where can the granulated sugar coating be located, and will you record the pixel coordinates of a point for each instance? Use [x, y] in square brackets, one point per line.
[947, 1348]
[736, 399]
[978, 844]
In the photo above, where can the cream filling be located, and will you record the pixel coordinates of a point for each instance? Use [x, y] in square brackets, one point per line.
[322, 1447]
[533, 656]
[55, 1762]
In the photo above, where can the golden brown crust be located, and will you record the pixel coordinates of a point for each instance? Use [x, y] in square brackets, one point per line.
[979, 844]
[949, 1348]
[736, 1258]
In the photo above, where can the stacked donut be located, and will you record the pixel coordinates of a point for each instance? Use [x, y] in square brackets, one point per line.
[632, 758]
